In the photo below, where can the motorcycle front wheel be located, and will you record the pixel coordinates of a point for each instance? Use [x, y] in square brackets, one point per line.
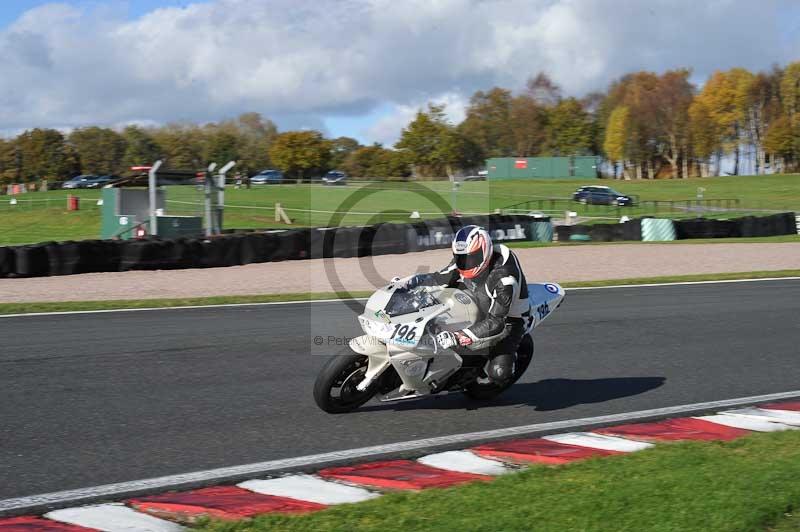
[335, 390]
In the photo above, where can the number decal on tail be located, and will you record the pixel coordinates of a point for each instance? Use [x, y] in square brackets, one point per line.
[543, 310]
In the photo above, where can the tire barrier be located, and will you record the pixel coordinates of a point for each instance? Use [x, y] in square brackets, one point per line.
[258, 247]
[774, 225]
[147, 255]
[345, 242]
[563, 232]
[389, 239]
[63, 258]
[703, 228]
[580, 233]
[631, 230]
[85, 256]
[657, 230]
[438, 234]
[604, 233]
[320, 243]
[32, 261]
[66, 258]
[99, 255]
[8, 260]
[542, 231]
[292, 244]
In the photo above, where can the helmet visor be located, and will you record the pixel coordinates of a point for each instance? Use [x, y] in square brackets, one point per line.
[468, 261]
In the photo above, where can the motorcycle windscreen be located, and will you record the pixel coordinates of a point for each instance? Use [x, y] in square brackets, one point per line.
[407, 301]
[545, 298]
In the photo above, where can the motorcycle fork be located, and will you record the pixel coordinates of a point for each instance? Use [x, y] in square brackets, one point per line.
[376, 365]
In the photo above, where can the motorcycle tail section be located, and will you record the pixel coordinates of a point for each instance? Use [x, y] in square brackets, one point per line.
[545, 298]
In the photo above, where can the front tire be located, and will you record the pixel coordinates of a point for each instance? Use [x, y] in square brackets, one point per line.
[335, 389]
[485, 391]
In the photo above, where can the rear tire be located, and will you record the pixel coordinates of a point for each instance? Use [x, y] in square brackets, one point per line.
[483, 392]
[335, 389]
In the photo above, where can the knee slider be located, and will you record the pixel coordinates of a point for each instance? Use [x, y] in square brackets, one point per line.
[501, 369]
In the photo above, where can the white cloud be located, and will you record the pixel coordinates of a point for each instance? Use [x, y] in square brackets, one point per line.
[387, 129]
[298, 61]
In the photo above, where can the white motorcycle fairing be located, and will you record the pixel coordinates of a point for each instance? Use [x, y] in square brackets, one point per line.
[398, 332]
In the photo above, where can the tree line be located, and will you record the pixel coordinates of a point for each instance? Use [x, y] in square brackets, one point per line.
[645, 125]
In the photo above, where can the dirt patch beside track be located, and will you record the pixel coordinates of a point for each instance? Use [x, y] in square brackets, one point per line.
[560, 264]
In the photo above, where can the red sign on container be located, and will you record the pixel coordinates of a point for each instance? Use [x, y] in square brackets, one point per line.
[521, 163]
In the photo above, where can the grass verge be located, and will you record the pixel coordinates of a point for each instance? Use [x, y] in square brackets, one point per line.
[744, 485]
[789, 523]
[75, 306]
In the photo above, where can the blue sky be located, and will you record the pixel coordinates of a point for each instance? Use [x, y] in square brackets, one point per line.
[10, 10]
[359, 68]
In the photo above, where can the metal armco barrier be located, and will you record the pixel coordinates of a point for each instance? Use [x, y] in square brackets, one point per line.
[657, 230]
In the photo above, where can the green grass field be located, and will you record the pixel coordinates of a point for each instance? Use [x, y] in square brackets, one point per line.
[789, 523]
[748, 484]
[43, 216]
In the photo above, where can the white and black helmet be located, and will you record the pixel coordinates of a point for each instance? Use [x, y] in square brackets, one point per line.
[472, 250]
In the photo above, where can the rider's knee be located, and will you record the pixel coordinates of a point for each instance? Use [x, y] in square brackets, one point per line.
[501, 369]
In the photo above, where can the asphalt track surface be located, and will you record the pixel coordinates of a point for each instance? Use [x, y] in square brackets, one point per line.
[91, 399]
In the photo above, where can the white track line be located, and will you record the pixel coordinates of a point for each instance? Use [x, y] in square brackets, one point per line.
[305, 302]
[261, 468]
[746, 423]
[599, 441]
[309, 488]
[683, 283]
[112, 518]
[781, 416]
[464, 462]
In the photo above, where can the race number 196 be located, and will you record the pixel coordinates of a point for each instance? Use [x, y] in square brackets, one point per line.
[404, 332]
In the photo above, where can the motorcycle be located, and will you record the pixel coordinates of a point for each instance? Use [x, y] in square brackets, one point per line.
[399, 358]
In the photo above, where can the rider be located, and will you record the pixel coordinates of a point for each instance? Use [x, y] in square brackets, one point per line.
[493, 274]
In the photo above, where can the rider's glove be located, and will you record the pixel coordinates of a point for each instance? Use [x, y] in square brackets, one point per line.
[447, 339]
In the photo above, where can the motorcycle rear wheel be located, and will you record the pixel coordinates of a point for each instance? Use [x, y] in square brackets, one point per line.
[335, 389]
[485, 391]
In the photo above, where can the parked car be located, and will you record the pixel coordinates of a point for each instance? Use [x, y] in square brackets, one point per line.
[267, 177]
[335, 177]
[79, 181]
[99, 181]
[601, 195]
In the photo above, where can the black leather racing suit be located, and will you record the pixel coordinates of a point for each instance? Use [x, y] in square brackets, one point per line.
[502, 296]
